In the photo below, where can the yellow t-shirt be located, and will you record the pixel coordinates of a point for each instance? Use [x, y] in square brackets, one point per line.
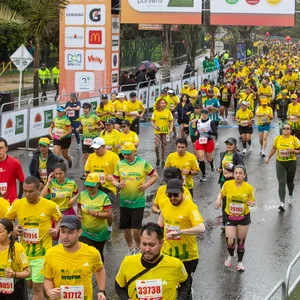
[161, 196]
[4, 206]
[294, 115]
[72, 268]
[105, 165]
[249, 98]
[263, 119]
[267, 92]
[136, 106]
[19, 262]
[173, 102]
[188, 162]
[131, 137]
[204, 89]
[184, 90]
[185, 215]
[162, 119]
[36, 220]
[244, 117]
[193, 95]
[87, 122]
[164, 278]
[109, 107]
[120, 108]
[110, 139]
[282, 144]
[43, 169]
[237, 197]
[61, 194]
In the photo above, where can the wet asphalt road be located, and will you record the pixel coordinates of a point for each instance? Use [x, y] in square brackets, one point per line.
[273, 239]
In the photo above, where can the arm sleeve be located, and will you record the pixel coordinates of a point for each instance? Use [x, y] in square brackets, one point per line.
[213, 130]
[19, 172]
[122, 292]
[183, 289]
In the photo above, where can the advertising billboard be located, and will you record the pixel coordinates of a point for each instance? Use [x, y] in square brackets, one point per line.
[161, 11]
[252, 12]
[89, 47]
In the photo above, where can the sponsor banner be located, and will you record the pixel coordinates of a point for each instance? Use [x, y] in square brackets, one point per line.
[14, 126]
[154, 93]
[40, 120]
[94, 103]
[142, 95]
[89, 34]
[161, 11]
[158, 27]
[252, 12]
[177, 86]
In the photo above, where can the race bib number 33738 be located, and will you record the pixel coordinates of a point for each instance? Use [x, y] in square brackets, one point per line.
[149, 289]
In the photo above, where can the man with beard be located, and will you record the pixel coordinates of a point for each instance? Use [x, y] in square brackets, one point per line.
[68, 267]
[182, 223]
[151, 274]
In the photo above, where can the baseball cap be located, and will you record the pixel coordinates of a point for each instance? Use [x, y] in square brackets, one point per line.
[127, 148]
[132, 94]
[44, 141]
[60, 108]
[205, 110]
[163, 91]
[110, 121]
[71, 222]
[264, 101]
[231, 140]
[73, 95]
[170, 91]
[174, 186]
[294, 96]
[171, 173]
[97, 143]
[244, 103]
[92, 179]
[104, 96]
[186, 82]
[121, 95]
[210, 91]
[125, 122]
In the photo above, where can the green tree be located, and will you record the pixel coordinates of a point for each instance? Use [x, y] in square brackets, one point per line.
[39, 19]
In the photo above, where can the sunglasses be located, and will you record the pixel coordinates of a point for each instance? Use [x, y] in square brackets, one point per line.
[286, 128]
[229, 144]
[124, 126]
[170, 195]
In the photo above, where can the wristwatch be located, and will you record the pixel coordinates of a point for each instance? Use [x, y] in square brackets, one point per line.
[103, 292]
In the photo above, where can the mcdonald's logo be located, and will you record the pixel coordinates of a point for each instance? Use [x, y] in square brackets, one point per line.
[95, 37]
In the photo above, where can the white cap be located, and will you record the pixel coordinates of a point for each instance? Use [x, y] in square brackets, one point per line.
[245, 103]
[121, 95]
[97, 143]
[170, 91]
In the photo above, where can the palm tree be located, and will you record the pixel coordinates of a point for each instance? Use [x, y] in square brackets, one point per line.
[39, 19]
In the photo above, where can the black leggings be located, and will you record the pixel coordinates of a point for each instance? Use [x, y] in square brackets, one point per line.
[98, 245]
[285, 171]
[190, 267]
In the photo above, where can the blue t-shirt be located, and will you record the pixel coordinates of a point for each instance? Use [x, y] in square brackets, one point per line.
[70, 115]
[215, 103]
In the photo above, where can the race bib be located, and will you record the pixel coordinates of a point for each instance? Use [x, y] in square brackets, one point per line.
[119, 114]
[87, 141]
[71, 113]
[290, 84]
[170, 228]
[31, 235]
[172, 106]
[149, 289]
[263, 120]
[293, 119]
[108, 148]
[203, 140]
[43, 174]
[3, 187]
[227, 174]
[74, 292]
[58, 132]
[236, 211]
[102, 178]
[244, 123]
[6, 285]
[284, 153]
[224, 97]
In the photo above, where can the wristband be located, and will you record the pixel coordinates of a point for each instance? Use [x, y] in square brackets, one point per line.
[103, 292]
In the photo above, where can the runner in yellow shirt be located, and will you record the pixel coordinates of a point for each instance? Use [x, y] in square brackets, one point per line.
[126, 135]
[69, 266]
[4, 206]
[193, 93]
[182, 223]
[293, 115]
[265, 91]
[239, 195]
[120, 107]
[110, 135]
[157, 270]
[185, 88]
[162, 122]
[35, 215]
[105, 110]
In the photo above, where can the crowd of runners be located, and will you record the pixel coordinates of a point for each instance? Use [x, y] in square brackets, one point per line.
[53, 235]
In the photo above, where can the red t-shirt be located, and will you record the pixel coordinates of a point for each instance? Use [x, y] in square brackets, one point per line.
[10, 171]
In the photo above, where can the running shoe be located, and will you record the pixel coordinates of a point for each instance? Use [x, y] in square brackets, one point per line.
[213, 167]
[174, 135]
[250, 148]
[203, 178]
[228, 262]
[263, 153]
[163, 163]
[157, 162]
[290, 201]
[78, 147]
[281, 207]
[260, 151]
[223, 228]
[240, 267]
[83, 176]
[70, 162]
[244, 151]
